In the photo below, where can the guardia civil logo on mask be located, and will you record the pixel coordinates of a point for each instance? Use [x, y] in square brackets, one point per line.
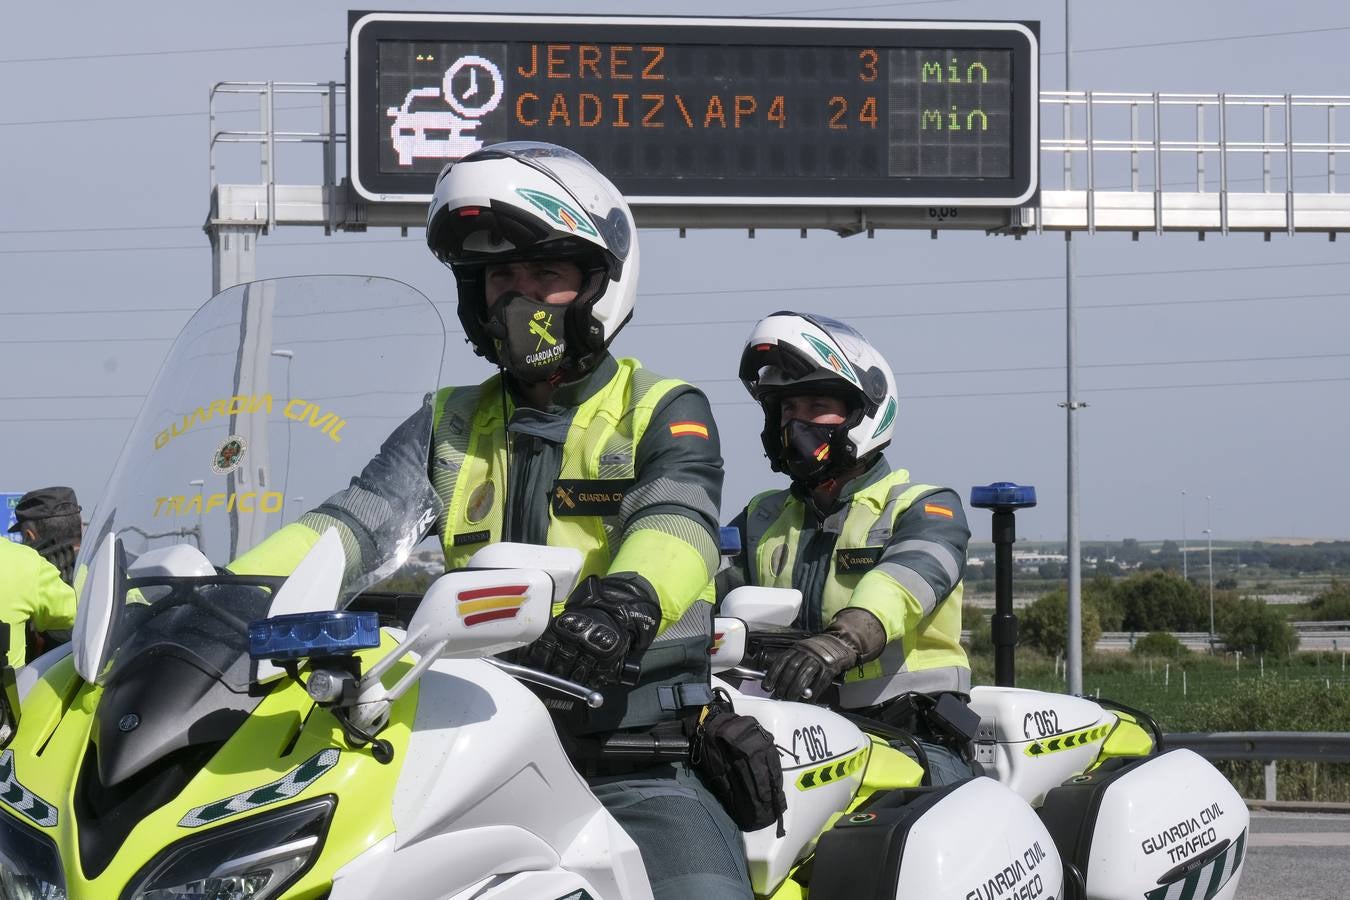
[559, 212]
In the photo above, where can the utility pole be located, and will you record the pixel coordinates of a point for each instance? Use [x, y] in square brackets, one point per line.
[1074, 656]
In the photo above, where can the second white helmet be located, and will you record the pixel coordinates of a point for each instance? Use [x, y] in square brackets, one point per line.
[527, 200]
[794, 354]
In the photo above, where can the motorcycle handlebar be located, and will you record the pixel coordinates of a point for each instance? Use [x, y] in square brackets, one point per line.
[757, 675]
[593, 699]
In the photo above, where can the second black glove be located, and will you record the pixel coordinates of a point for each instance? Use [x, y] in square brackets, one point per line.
[606, 622]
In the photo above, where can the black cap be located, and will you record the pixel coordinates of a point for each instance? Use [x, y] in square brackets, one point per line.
[44, 503]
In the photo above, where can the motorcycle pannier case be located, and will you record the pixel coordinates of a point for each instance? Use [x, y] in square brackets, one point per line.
[976, 840]
[1169, 827]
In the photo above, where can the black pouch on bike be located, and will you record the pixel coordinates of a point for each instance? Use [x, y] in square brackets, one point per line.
[739, 762]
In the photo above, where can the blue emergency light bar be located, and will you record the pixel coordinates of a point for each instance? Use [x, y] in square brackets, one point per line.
[299, 635]
[730, 540]
[1002, 494]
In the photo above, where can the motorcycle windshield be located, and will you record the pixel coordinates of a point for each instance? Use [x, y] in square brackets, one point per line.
[272, 402]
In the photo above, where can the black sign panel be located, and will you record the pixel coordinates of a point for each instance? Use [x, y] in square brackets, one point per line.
[704, 111]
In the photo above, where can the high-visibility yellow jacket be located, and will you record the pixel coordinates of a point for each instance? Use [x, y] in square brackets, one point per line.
[892, 547]
[31, 589]
[625, 466]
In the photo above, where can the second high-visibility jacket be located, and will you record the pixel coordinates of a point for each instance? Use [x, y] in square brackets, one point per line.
[892, 547]
[31, 589]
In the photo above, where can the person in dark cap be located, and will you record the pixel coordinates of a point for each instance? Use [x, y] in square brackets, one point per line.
[49, 521]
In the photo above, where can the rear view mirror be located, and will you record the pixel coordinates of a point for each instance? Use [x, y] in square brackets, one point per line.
[471, 613]
[728, 648]
[762, 605]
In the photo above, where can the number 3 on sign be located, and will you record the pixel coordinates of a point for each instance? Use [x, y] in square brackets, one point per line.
[867, 115]
[868, 58]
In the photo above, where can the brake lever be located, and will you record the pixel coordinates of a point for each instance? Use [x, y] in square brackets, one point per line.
[592, 698]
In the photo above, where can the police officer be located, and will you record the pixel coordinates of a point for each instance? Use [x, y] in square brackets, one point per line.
[878, 558]
[31, 590]
[48, 520]
[569, 446]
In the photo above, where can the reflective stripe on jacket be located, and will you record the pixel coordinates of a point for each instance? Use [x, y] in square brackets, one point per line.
[893, 548]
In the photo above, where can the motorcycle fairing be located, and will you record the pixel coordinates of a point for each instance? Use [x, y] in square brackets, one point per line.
[284, 731]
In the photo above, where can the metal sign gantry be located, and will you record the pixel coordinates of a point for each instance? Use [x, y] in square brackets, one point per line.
[1123, 162]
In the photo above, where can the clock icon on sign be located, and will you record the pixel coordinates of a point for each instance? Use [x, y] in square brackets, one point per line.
[473, 86]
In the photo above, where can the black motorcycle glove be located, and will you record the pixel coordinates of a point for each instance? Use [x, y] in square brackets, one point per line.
[606, 622]
[805, 670]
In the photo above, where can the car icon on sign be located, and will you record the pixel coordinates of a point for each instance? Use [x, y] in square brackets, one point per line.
[437, 123]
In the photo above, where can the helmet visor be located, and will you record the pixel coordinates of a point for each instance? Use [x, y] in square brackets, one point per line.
[567, 168]
[777, 369]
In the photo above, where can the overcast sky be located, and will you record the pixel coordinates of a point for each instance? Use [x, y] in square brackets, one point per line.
[1219, 368]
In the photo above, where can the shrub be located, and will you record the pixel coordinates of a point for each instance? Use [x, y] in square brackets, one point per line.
[1160, 601]
[1253, 627]
[1045, 623]
[1159, 643]
[1333, 603]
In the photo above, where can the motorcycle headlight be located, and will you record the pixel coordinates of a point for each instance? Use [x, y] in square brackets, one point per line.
[253, 860]
[30, 864]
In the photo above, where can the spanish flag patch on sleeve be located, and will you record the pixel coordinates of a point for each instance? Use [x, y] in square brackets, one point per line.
[685, 429]
[934, 510]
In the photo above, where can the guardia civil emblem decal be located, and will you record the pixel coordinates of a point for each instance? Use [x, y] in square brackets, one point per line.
[228, 455]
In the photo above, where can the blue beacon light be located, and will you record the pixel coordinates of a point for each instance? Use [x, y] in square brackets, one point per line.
[299, 635]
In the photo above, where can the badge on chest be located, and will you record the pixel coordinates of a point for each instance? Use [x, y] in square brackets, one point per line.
[856, 561]
[589, 497]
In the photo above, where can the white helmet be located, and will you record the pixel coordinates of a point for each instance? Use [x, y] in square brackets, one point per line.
[791, 354]
[525, 200]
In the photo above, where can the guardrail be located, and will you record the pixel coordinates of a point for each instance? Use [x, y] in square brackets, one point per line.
[1267, 747]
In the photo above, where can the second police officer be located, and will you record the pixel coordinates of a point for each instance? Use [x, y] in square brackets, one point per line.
[878, 557]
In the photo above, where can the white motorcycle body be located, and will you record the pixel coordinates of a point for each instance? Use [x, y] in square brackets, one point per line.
[1161, 827]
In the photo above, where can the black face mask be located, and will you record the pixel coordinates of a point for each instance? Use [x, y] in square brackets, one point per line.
[808, 450]
[528, 336]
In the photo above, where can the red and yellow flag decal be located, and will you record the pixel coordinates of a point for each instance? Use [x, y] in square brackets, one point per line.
[490, 604]
[718, 639]
[683, 429]
[822, 451]
[934, 510]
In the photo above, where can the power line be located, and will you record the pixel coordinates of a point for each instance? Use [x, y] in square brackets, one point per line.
[174, 115]
[1056, 392]
[1060, 368]
[909, 374]
[1208, 40]
[999, 311]
[98, 228]
[705, 322]
[84, 56]
[953, 396]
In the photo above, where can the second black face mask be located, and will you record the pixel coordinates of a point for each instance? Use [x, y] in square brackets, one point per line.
[807, 450]
[528, 335]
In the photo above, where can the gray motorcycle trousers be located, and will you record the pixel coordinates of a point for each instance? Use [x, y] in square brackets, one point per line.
[689, 845]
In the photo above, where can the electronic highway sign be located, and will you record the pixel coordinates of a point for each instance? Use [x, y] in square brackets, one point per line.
[704, 111]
